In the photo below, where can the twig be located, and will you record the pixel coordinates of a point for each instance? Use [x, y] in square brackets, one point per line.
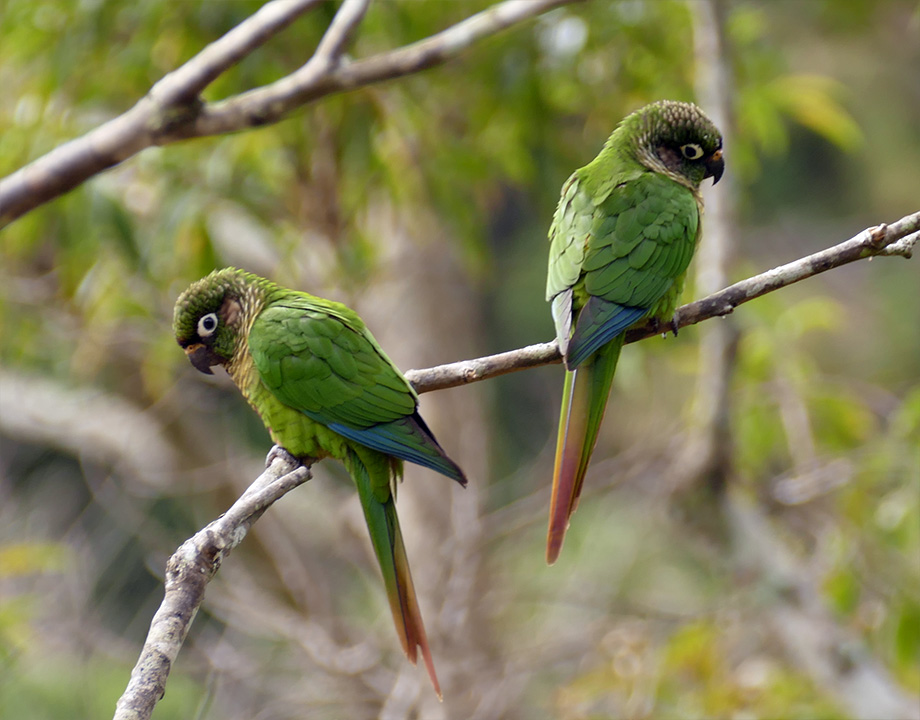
[185, 83]
[894, 239]
[340, 31]
[188, 573]
[903, 247]
[464, 372]
[869, 243]
[172, 110]
[273, 102]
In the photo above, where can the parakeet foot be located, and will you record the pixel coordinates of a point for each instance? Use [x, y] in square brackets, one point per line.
[672, 325]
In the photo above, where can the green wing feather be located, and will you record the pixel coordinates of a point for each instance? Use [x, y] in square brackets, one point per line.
[643, 237]
[318, 357]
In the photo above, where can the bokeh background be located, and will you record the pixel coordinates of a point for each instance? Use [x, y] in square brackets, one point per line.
[748, 543]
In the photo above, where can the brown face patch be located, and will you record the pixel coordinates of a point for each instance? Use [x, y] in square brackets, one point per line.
[231, 312]
[670, 158]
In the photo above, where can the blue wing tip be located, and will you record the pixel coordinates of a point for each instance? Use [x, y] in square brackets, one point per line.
[430, 455]
[584, 344]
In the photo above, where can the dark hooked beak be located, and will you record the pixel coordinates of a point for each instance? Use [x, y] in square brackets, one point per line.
[715, 166]
[202, 357]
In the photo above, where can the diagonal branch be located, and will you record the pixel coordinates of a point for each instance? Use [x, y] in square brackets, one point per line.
[182, 86]
[882, 240]
[341, 31]
[188, 573]
[173, 99]
[172, 110]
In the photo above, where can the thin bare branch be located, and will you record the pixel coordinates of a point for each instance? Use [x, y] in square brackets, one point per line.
[172, 110]
[173, 100]
[869, 243]
[464, 372]
[271, 103]
[341, 30]
[182, 86]
[903, 247]
[445, 45]
[188, 573]
[895, 239]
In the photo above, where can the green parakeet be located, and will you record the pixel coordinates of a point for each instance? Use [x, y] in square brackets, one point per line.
[621, 239]
[324, 388]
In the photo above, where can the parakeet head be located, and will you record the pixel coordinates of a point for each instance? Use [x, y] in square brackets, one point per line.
[677, 139]
[209, 317]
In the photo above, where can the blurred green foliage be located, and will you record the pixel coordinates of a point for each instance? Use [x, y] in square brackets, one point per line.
[825, 144]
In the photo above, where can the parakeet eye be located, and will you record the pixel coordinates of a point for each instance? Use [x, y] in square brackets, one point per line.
[207, 325]
[692, 151]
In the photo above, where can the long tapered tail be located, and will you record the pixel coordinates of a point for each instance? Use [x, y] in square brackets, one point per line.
[371, 474]
[584, 398]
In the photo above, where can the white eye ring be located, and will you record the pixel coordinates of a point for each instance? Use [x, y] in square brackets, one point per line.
[207, 324]
[692, 151]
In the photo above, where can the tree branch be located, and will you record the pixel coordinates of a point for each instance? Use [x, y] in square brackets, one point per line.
[188, 573]
[172, 110]
[882, 240]
[172, 100]
[197, 560]
[183, 85]
[341, 30]
[271, 103]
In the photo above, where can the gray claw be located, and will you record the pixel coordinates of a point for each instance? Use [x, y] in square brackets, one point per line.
[673, 324]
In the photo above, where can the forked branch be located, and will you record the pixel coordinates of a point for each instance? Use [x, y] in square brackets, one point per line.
[173, 109]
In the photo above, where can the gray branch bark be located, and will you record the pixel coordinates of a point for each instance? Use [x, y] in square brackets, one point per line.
[897, 238]
[173, 110]
[188, 573]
